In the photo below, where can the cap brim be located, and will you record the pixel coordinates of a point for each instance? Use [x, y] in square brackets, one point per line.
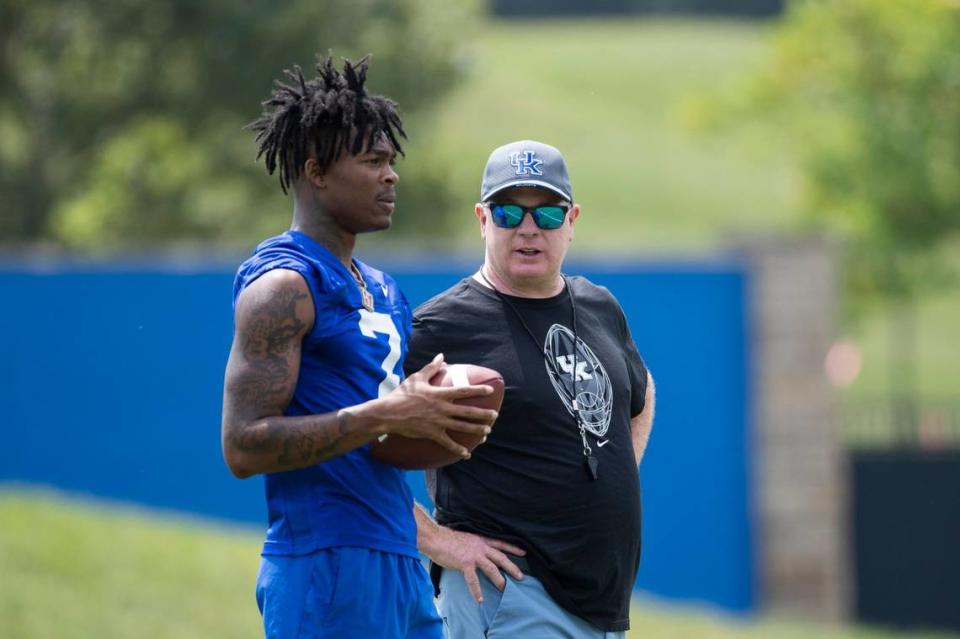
[527, 182]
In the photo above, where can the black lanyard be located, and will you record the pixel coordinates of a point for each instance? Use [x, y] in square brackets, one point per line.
[590, 462]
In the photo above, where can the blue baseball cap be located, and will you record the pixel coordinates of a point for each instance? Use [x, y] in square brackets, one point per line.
[526, 163]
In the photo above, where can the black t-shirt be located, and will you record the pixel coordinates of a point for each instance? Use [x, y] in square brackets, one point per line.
[528, 484]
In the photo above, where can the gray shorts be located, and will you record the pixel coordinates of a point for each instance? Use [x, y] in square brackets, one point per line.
[523, 609]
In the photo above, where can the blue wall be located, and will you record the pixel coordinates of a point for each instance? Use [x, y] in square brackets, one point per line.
[111, 382]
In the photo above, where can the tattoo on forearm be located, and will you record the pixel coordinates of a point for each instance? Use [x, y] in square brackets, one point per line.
[300, 448]
[297, 449]
[298, 445]
[342, 418]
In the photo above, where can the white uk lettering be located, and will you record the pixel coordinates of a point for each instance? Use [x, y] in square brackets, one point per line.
[565, 362]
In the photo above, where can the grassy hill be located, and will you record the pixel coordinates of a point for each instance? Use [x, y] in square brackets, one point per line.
[612, 95]
[77, 569]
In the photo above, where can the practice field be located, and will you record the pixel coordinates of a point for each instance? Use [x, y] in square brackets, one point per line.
[75, 569]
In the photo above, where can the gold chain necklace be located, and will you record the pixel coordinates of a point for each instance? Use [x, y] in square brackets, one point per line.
[365, 295]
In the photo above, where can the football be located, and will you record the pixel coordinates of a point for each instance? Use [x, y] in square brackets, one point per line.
[414, 454]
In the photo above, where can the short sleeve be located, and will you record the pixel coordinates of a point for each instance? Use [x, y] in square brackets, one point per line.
[273, 259]
[255, 267]
[423, 347]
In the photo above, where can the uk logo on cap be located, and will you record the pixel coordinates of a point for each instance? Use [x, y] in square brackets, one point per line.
[526, 163]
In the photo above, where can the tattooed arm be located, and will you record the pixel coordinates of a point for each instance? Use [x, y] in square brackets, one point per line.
[272, 317]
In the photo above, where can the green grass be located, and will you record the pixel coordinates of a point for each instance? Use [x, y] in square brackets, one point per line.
[938, 351]
[612, 94]
[661, 624]
[81, 569]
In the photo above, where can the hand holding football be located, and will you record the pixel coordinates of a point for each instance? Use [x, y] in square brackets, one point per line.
[410, 453]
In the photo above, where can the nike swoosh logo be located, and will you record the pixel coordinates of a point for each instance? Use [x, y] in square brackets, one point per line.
[384, 289]
[603, 443]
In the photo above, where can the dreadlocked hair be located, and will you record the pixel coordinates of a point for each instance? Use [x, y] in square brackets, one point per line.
[327, 115]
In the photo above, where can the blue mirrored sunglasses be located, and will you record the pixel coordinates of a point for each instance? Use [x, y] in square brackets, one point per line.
[510, 216]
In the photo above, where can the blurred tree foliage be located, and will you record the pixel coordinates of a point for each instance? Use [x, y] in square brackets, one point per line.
[868, 92]
[539, 8]
[121, 123]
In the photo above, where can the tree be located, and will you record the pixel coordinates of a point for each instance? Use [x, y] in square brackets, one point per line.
[121, 124]
[872, 88]
[868, 92]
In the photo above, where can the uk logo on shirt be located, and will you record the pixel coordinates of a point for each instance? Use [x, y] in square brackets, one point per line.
[580, 379]
[526, 163]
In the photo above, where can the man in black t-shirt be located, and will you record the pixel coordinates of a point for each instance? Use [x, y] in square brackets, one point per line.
[541, 525]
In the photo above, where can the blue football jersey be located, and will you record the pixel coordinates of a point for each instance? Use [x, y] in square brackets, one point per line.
[351, 355]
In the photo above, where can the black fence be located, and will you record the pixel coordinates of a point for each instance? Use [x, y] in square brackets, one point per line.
[885, 423]
[548, 8]
[906, 545]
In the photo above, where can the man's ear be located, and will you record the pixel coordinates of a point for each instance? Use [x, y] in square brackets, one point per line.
[480, 211]
[312, 173]
[572, 215]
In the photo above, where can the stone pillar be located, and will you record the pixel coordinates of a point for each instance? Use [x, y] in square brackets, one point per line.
[799, 462]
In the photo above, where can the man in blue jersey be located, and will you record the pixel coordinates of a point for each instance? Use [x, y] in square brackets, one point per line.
[316, 372]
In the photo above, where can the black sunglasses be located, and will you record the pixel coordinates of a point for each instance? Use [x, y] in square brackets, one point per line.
[510, 216]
